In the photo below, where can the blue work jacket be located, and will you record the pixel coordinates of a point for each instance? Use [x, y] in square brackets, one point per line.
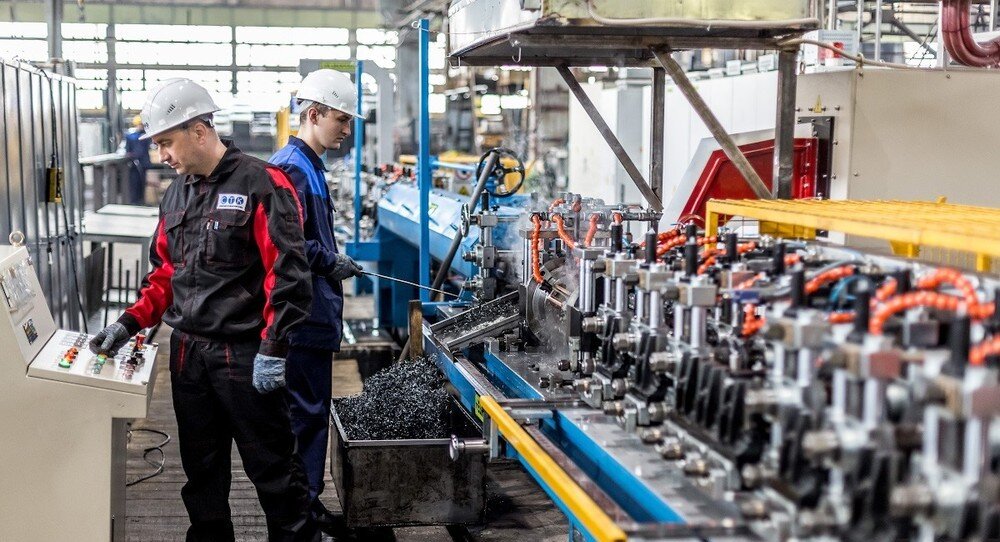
[324, 327]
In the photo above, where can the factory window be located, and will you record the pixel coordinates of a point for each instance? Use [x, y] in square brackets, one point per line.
[23, 30]
[24, 49]
[84, 31]
[85, 51]
[384, 56]
[277, 35]
[376, 36]
[90, 99]
[184, 54]
[173, 32]
[287, 55]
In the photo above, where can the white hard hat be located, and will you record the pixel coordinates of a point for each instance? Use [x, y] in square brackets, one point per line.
[330, 88]
[173, 103]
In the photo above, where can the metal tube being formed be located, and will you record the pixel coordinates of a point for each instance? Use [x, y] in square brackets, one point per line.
[655, 309]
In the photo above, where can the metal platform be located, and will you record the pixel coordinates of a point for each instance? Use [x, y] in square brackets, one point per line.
[909, 226]
[613, 32]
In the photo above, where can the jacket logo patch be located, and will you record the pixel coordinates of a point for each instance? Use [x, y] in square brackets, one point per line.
[236, 202]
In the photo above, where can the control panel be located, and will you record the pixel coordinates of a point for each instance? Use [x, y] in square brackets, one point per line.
[66, 358]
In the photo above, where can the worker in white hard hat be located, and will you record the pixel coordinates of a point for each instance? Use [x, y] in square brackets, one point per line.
[328, 103]
[229, 274]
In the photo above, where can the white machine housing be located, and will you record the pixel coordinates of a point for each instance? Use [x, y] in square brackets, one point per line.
[62, 453]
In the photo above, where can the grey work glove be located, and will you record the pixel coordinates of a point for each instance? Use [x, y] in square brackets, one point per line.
[110, 340]
[268, 373]
[344, 267]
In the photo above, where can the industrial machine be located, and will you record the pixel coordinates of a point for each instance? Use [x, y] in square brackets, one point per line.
[66, 411]
[687, 384]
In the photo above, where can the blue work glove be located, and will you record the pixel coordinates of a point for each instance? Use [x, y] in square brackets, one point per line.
[268, 373]
[344, 267]
[110, 340]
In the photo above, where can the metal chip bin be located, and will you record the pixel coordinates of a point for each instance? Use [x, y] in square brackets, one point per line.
[394, 483]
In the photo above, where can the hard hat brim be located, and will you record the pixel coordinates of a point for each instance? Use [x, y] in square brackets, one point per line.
[151, 135]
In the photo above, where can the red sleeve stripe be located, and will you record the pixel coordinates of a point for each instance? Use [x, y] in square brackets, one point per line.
[268, 255]
[157, 293]
[281, 180]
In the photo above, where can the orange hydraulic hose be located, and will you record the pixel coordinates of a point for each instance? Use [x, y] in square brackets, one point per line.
[887, 290]
[556, 203]
[751, 323]
[750, 281]
[663, 237]
[712, 253]
[617, 217]
[841, 317]
[827, 277]
[561, 229]
[592, 231]
[977, 310]
[907, 301]
[536, 233]
[985, 349]
[792, 259]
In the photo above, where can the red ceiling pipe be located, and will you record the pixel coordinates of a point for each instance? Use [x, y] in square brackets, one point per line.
[958, 39]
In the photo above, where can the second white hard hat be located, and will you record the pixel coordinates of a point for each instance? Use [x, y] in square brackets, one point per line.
[330, 88]
[173, 103]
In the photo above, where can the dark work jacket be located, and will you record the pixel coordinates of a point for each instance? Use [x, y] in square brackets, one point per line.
[227, 259]
[324, 327]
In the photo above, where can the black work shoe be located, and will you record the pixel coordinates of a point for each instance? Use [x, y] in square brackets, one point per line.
[332, 524]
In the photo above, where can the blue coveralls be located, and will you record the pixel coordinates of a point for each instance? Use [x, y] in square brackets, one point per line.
[308, 370]
[137, 151]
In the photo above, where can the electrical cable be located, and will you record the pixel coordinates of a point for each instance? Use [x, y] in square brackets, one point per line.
[145, 455]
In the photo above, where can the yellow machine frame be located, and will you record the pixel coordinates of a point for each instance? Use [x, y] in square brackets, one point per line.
[909, 226]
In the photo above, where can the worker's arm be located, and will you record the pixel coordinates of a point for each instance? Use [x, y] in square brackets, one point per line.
[321, 259]
[277, 230]
[156, 293]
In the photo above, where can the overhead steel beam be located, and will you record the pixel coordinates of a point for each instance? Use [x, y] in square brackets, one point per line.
[726, 141]
[633, 172]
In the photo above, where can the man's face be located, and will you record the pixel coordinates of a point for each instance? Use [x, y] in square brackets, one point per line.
[332, 128]
[179, 149]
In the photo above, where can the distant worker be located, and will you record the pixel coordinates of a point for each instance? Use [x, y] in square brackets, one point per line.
[137, 154]
[229, 274]
[328, 102]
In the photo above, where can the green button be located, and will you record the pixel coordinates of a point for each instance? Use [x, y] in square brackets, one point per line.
[64, 363]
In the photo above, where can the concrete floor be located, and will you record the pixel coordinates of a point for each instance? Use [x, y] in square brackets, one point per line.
[517, 509]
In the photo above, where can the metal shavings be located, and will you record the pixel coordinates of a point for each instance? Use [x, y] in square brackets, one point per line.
[406, 400]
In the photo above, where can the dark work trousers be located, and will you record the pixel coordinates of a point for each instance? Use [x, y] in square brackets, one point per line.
[309, 374]
[216, 403]
[136, 184]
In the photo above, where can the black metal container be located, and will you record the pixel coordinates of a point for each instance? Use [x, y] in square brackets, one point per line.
[391, 483]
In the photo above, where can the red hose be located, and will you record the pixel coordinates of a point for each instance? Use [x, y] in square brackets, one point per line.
[827, 277]
[594, 218]
[751, 323]
[960, 42]
[561, 229]
[983, 350]
[536, 266]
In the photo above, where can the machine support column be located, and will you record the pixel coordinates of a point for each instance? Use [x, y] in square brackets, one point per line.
[784, 136]
[656, 132]
[359, 141]
[611, 139]
[424, 160]
[729, 146]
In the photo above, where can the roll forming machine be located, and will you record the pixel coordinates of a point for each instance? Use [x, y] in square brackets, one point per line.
[669, 385]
